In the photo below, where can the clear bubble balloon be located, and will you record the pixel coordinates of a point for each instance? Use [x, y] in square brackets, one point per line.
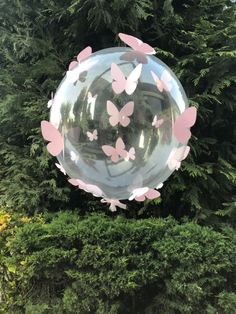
[116, 111]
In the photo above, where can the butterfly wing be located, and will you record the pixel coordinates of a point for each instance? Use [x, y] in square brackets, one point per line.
[136, 44]
[176, 156]
[95, 134]
[132, 80]
[76, 182]
[84, 54]
[79, 183]
[111, 152]
[158, 82]
[120, 148]
[186, 152]
[90, 136]
[172, 162]
[51, 134]
[131, 41]
[147, 49]
[181, 128]
[126, 112]
[151, 194]
[138, 194]
[182, 152]
[94, 189]
[166, 80]
[74, 74]
[72, 65]
[118, 78]
[132, 153]
[140, 198]
[113, 112]
[91, 99]
[73, 182]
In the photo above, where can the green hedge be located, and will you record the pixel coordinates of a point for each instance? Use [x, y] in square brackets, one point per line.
[68, 264]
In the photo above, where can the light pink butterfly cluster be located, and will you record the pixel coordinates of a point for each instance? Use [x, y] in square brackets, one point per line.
[84, 54]
[97, 192]
[140, 194]
[128, 84]
[94, 189]
[77, 69]
[120, 84]
[119, 151]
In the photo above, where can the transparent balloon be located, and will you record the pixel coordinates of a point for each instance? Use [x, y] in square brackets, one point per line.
[118, 127]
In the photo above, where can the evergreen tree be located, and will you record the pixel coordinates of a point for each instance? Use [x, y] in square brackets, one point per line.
[195, 38]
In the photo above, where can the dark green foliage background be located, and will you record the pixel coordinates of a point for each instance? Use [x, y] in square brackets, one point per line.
[197, 39]
[67, 264]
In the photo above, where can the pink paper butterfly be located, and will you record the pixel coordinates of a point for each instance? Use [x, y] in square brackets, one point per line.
[50, 101]
[177, 156]
[90, 188]
[60, 167]
[79, 72]
[84, 54]
[181, 128]
[51, 134]
[77, 182]
[121, 116]
[130, 154]
[115, 152]
[113, 203]
[157, 122]
[136, 44]
[163, 83]
[91, 98]
[120, 83]
[92, 135]
[140, 194]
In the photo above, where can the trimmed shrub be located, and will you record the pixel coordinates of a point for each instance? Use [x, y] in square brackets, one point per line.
[68, 264]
